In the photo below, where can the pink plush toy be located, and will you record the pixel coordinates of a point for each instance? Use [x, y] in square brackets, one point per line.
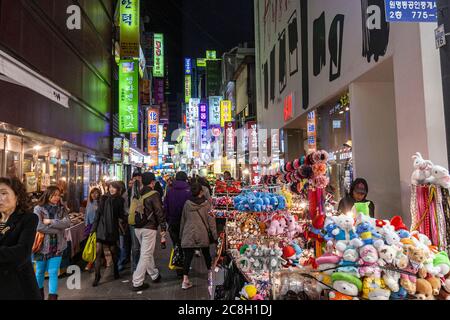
[293, 227]
[274, 227]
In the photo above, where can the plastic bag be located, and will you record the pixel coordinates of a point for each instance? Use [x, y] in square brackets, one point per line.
[176, 259]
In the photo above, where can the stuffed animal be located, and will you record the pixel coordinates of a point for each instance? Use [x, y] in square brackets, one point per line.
[293, 227]
[275, 259]
[349, 262]
[442, 264]
[422, 170]
[401, 294]
[273, 228]
[370, 270]
[281, 202]
[416, 257]
[290, 257]
[326, 265]
[391, 237]
[439, 176]
[424, 291]
[367, 233]
[444, 294]
[361, 208]
[344, 232]
[346, 287]
[436, 285]
[387, 258]
[248, 292]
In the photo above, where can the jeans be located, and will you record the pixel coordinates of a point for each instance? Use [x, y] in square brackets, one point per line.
[124, 249]
[189, 254]
[147, 240]
[52, 267]
[135, 248]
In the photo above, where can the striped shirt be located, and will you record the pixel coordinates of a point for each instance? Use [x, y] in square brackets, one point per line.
[2, 226]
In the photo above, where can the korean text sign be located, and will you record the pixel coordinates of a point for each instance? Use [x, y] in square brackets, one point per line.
[226, 112]
[129, 28]
[411, 11]
[153, 133]
[214, 111]
[128, 96]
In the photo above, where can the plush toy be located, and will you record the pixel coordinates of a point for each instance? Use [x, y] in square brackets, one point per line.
[370, 270]
[297, 248]
[400, 228]
[391, 237]
[262, 227]
[436, 285]
[349, 262]
[442, 264]
[326, 265]
[387, 259]
[344, 232]
[401, 294]
[439, 176]
[416, 257]
[281, 202]
[248, 292]
[424, 291]
[275, 259]
[293, 227]
[346, 286]
[361, 208]
[444, 294]
[273, 228]
[422, 170]
[367, 233]
[290, 257]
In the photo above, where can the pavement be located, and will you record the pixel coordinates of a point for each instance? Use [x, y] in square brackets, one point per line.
[168, 289]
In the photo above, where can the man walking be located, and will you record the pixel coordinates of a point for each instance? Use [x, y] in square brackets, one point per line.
[146, 234]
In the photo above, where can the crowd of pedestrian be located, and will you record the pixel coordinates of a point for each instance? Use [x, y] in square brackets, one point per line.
[126, 221]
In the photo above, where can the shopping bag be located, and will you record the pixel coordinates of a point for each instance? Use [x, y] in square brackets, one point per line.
[90, 250]
[38, 241]
[176, 259]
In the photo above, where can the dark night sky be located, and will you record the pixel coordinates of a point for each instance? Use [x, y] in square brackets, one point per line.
[193, 26]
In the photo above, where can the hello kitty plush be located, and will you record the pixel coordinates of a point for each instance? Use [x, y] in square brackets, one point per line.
[422, 170]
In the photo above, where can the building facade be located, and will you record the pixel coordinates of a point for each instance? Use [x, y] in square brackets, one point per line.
[374, 87]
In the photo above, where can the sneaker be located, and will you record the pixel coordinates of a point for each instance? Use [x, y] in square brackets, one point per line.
[186, 285]
[143, 287]
[198, 253]
[157, 280]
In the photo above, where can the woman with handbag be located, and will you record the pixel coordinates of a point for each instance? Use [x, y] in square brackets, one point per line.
[198, 231]
[53, 221]
[91, 209]
[107, 227]
[17, 234]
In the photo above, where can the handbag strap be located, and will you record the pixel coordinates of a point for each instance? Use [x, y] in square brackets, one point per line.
[204, 223]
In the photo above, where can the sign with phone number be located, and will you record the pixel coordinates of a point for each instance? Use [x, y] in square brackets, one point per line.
[411, 11]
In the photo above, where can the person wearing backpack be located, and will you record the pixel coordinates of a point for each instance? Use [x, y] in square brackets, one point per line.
[148, 215]
[198, 231]
[134, 191]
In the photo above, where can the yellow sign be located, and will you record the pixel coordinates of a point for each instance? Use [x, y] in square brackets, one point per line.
[129, 29]
[225, 112]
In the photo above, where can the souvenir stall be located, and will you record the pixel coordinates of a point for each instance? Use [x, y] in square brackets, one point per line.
[293, 245]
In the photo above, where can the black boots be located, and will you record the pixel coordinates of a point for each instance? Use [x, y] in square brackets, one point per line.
[97, 280]
[42, 293]
[52, 297]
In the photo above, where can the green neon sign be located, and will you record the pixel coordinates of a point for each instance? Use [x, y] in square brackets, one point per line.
[158, 67]
[211, 54]
[129, 28]
[201, 62]
[128, 96]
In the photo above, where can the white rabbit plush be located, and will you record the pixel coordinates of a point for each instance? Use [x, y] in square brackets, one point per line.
[423, 169]
[439, 176]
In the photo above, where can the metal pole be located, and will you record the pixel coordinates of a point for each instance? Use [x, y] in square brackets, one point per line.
[444, 19]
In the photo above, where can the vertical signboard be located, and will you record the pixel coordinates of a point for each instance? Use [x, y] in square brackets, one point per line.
[312, 133]
[158, 91]
[160, 140]
[275, 140]
[153, 122]
[126, 151]
[158, 65]
[187, 88]
[164, 113]
[129, 28]
[128, 96]
[145, 92]
[203, 116]
[118, 150]
[225, 111]
[211, 54]
[262, 146]
[240, 141]
[187, 66]
[147, 47]
[252, 129]
[213, 77]
[214, 111]
[230, 128]
[133, 140]
[192, 114]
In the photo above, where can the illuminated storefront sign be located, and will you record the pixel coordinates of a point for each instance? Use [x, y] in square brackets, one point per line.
[187, 66]
[214, 111]
[118, 149]
[230, 144]
[203, 116]
[312, 131]
[158, 91]
[192, 112]
[187, 88]
[211, 54]
[288, 107]
[128, 96]
[158, 66]
[129, 28]
[160, 139]
[201, 62]
[275, 139]
[226, 112]
[153, 132]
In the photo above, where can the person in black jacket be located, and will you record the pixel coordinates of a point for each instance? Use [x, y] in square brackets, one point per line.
[107, 227]
[17, 234]
[358, 193]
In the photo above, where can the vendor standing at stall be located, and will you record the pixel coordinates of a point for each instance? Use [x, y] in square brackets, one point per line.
[358, 193]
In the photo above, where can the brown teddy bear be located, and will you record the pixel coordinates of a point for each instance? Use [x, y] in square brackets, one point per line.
[416, 257]
[445, 289]
[424, 291]
[435, 284]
